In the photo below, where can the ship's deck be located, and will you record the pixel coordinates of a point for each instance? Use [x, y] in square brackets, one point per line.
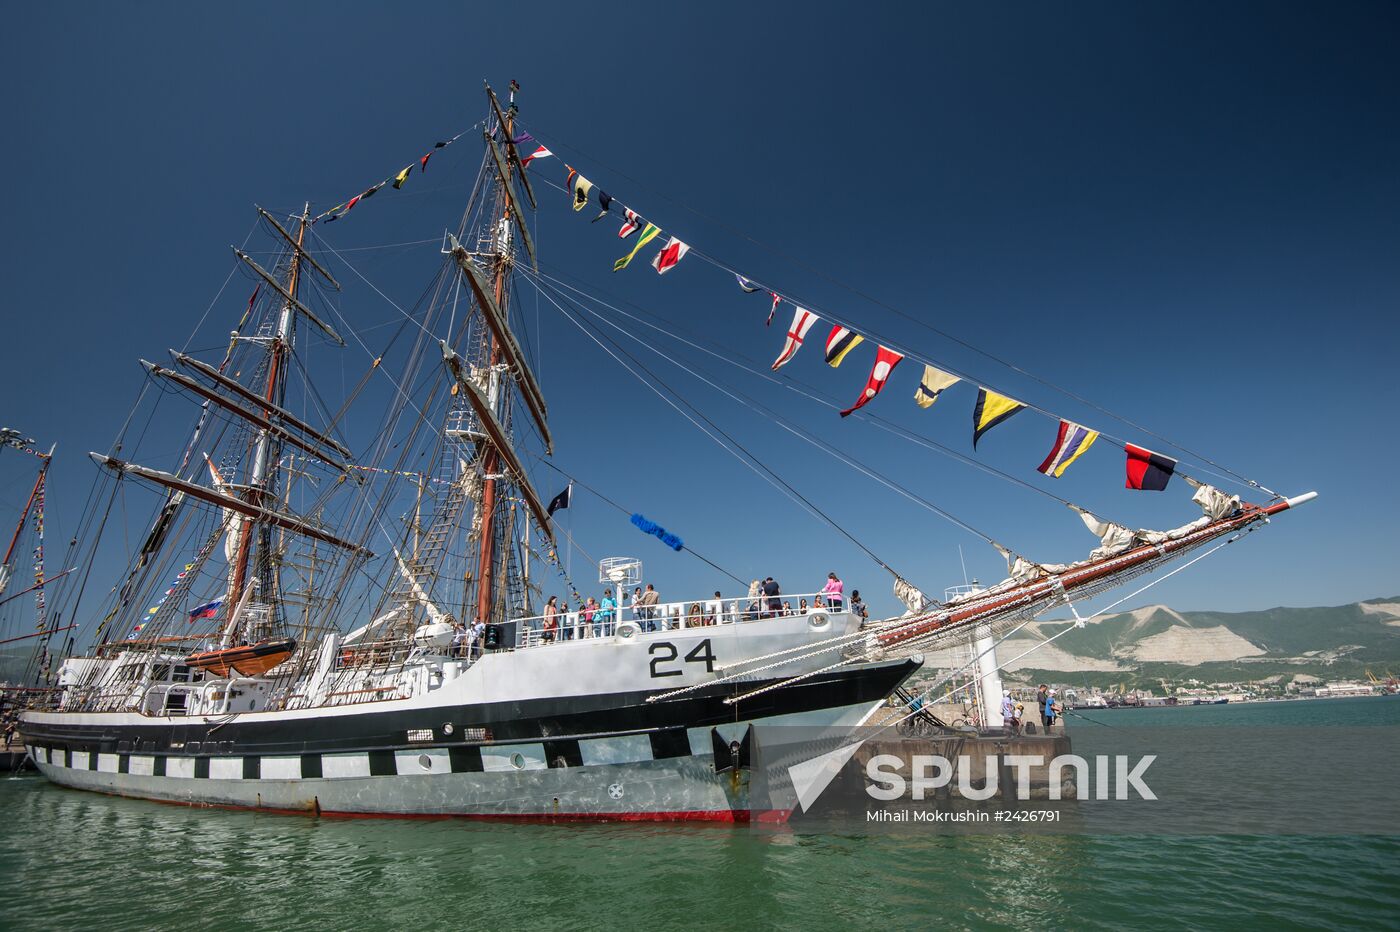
[534, 630]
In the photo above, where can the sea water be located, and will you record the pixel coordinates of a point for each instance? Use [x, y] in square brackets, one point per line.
[71, 860]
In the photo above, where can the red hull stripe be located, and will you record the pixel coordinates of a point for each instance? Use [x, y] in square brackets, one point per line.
[730, 816]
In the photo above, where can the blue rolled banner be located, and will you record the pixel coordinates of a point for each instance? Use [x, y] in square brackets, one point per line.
[657, 531]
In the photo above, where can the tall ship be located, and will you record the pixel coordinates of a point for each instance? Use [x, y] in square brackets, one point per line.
[336, 603]
[25, 577]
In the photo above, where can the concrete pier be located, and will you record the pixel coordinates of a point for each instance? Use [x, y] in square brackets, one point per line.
[979, 752]
[14, 759]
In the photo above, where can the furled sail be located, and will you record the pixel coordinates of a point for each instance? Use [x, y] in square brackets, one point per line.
[278, 519]
[1113, 538]
[497, 436]
[912, 598]
[233, 526]
[1215, 503]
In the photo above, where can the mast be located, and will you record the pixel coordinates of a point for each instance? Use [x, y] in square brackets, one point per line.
[484, 385]
[35, 494]
[268, 442]
[24, 515]
[486, 559]
[500, 344]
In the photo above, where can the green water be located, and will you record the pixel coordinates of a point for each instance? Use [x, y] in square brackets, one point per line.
[72, 860]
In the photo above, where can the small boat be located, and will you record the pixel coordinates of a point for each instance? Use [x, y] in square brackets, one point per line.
[248, 659]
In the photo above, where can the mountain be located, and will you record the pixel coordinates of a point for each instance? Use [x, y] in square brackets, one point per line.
[1155, 642]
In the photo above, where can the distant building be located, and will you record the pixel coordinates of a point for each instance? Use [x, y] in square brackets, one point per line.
[1342, 690]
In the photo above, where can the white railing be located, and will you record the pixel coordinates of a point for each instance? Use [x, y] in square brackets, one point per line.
[594, 622]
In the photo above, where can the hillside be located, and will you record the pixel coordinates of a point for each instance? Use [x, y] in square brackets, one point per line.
[1156, 641]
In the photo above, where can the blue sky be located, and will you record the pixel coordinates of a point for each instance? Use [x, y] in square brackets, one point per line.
[1186, 213]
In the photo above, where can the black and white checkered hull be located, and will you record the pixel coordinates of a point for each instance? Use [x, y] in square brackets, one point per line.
[666, 760]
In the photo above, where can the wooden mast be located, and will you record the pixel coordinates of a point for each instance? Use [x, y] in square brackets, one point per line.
[277, 352]
[486, 558]
[24, 515]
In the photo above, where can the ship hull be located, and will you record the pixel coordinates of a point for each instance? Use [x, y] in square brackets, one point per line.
[674, 760]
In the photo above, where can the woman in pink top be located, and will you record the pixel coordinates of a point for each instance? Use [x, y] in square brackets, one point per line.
[832, 591]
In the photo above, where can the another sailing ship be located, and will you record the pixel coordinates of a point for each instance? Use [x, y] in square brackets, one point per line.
[25, 615]
[449, 693]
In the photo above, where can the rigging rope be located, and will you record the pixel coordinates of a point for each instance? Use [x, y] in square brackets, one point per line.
[781, 422]
[734, 358]
[827, 315]
[687, 548]
[1077, 623]
[752, 462]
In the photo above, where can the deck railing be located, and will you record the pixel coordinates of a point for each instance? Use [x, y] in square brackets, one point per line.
[589, 622]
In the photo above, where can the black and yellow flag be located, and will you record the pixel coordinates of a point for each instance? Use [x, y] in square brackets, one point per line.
[932, 385]
[402, 176]
[839, 343]
[580, 186]
[991, 410]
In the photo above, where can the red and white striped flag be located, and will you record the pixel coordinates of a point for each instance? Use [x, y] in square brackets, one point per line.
[669, 255]
[632, 225]
[540, 153]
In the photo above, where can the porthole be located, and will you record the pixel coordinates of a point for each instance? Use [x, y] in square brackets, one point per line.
[447, 728]
[425, 762]
[517, 760]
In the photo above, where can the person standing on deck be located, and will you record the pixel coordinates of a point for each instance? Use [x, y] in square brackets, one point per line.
[649, 599]
[714, 609]
[832, 591]
[551, 620]
[1008, 709]
[1040, 702]
[755, 591]
[603, 620]
[772, 593]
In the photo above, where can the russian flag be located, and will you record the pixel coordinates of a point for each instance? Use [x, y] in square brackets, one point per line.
[207, 610]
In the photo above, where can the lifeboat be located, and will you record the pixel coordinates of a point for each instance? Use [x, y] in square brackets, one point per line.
[247, 659]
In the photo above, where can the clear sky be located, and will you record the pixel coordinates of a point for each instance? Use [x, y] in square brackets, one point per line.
[1184, 212]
